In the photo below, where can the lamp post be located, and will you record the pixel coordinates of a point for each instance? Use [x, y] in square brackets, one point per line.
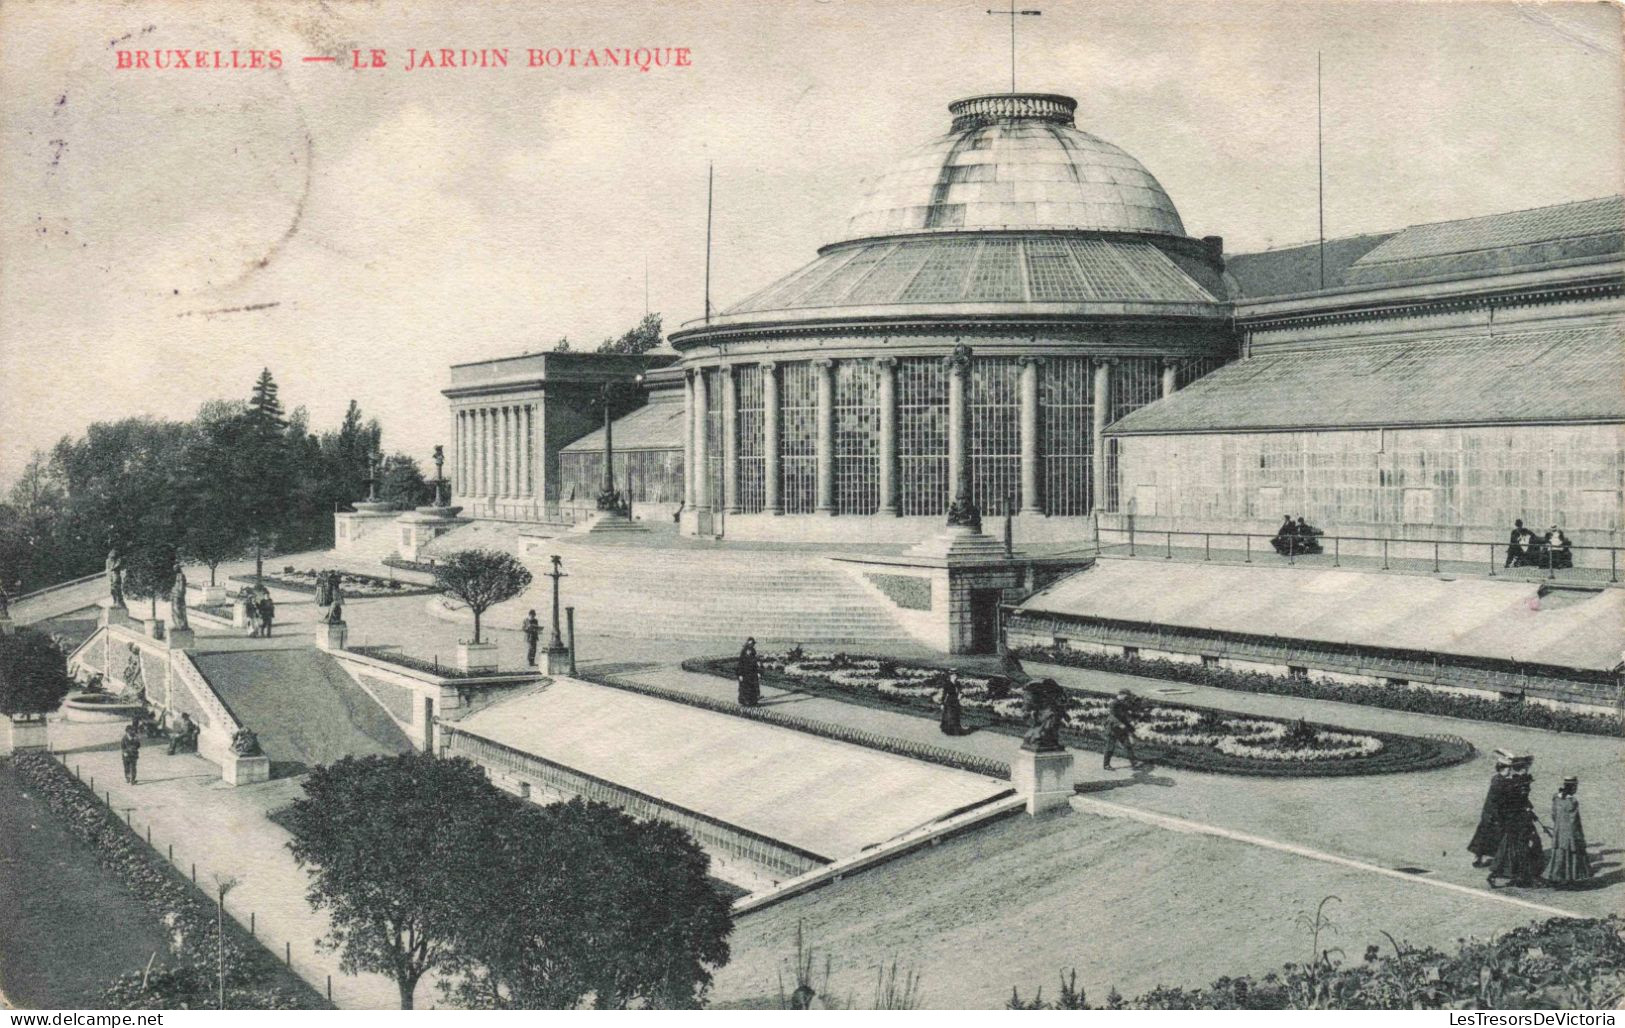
[558, 655]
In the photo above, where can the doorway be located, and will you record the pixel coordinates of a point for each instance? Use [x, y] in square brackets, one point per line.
[984, 620]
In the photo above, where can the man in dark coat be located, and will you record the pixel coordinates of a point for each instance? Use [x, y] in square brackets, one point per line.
[1286, 537]
[1487, 839]
[129, 746]
[1517, 544]
[1120, 729]
[750, 675]
[533, 632]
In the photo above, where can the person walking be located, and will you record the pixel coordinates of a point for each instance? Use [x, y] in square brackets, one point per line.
[950, 723]
[1518, 858]
[267, 612]
[1487, 838]
[1120, 729]
[749, 671]
[533, 633]
[1568, 862]
[129, 746]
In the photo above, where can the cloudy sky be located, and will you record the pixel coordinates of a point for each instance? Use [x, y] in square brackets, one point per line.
[168, 233]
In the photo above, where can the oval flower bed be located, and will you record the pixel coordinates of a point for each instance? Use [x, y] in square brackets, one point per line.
[355, 586]
[1171, 734]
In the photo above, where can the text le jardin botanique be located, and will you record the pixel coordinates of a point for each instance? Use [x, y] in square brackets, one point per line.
[641, 58]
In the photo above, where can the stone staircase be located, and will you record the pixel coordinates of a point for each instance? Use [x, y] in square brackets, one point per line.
[706, 594]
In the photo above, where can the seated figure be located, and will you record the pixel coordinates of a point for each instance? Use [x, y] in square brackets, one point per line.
[1306, 533]
[1286, 537]
[1560, 549]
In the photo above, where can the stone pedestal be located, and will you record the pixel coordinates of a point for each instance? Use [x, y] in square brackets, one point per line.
[181, 638]
[558, 660]
[239, 613]
[29, 736]
[330, 635]
[114, 614]
[6, 626]
[210, 595]
[235, 770]
[418, 528]
[154, 627]
[1045, 779]
[477, 656]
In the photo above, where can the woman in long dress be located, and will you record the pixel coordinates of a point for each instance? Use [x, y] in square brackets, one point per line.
[1487, 839]
[1568, 861]
[1518, 858]
[749, 670]
[950, 723]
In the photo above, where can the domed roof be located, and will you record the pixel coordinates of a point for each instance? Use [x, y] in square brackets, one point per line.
[1015, 161]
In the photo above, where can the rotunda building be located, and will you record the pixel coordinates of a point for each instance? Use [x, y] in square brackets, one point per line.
[1005, 292]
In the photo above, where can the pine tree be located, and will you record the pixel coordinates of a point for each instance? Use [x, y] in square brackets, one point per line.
[264, 409]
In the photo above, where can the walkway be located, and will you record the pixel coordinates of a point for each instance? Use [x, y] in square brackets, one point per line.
[182, 805]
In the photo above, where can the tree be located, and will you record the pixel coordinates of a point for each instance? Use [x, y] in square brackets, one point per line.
[33, 673]
[149, 570]
[645, 337]
[481, 579]
[264, 408]
[401, 482]
[582, 900]
[563, 345]
[395, 846]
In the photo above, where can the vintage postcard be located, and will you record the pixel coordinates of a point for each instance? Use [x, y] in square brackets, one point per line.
[811, 505]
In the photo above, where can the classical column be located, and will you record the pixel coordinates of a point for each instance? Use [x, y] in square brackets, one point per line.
[1032, 501]
[772, 503]
[702, 406]
[825, 372]
[1102, 412]
[730, 441]
[886, 369]
[481, 473]
[1170, 375]
[959, 470]
[689, 500]
[505, 452]
[524, 450]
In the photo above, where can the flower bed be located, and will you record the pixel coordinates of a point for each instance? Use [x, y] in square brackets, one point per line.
[254, 978]
[1420, 699]
[355, 586]
[1176, 735]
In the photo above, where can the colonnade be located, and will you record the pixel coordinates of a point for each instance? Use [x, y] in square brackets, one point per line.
[698, 485]
[494, 451]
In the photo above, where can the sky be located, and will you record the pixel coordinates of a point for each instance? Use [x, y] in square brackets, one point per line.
[168, 233]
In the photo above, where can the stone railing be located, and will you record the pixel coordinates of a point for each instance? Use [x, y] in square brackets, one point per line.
[220, 724]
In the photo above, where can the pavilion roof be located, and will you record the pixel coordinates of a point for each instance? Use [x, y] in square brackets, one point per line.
[1552, 375]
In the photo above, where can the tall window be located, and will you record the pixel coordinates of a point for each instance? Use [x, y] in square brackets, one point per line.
[713, 437]
[752, 492]
[1193, 368]
[995, 432]
[1066, 427]
[798, 437]
[922, 435]
[1136, 382]
[857, 437]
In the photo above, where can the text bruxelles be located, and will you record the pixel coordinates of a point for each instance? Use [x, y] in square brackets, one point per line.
[641, 58]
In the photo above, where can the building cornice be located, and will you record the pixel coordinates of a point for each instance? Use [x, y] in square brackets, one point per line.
[1049, 323]
[1372, 426]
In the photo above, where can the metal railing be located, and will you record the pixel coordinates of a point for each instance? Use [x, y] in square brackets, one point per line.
[1545, 558]
[528, 513]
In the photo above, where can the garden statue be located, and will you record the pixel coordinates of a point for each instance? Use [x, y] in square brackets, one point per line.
[335, 612]
[1045, 710]
[177, 600]
[115, 577]
[324, 589]
[244, 743]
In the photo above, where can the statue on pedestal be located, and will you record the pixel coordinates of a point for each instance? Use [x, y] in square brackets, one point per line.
[177, 599]
[335, 610]
[1045, 710]
[440, 499]
[244, 743]
[115, 577]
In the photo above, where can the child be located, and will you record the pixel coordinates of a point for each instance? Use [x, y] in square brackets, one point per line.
[1568, 862]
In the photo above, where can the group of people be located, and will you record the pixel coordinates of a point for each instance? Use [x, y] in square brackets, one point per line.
[261, 611]
[1526, 548]
[1508, 837]
[182, 739]
[1295, 537]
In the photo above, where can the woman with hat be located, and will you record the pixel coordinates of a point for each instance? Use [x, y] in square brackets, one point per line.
[1568, 861]
[1518, 858]
[1487, 839]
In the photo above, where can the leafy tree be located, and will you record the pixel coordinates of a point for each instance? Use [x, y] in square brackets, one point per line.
[563, 345]
[481, 579]
[401, 482]
[149, 570]
[583, 901]
[33, 673]
[395, 847]
[641, 339]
